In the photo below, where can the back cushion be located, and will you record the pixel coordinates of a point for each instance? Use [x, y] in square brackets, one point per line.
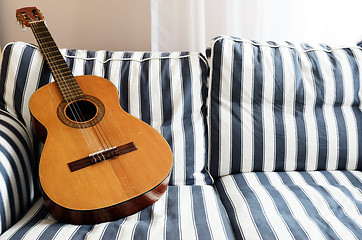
[17, 191]
[166, 90]
[283, 106]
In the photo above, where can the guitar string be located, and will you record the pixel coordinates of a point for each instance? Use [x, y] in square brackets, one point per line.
[76, 113]
[39, 39]
[99, 131]
[105, 122]
[98, 127]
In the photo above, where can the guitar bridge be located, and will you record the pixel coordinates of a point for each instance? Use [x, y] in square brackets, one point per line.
[101, 156]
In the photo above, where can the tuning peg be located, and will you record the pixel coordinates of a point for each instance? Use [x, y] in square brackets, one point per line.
[40, 14]
[20, 21]
[21, 24]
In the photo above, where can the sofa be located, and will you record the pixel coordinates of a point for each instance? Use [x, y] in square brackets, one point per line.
[265, 139]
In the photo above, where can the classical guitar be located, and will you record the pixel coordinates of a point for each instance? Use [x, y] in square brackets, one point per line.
[98, 163]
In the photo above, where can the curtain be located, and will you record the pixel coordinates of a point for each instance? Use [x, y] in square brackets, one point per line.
[179, 25]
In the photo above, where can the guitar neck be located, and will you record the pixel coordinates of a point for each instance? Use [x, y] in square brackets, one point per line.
[64, 78]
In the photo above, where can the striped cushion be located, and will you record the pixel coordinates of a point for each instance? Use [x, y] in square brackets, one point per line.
[184, 212]
[283, 106]
[16, 171]
[294, 205]
[166, 90]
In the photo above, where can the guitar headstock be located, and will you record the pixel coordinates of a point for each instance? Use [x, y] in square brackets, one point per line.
[27, 15]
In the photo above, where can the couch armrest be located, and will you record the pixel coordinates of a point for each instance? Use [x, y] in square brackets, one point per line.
[16, 170]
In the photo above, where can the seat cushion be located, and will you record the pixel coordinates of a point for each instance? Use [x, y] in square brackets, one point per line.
[184, 212]
[166, 90]
[281, 106]
[294, 205]
[16, 170]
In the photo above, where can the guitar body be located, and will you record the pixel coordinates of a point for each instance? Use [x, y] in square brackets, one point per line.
[114, 186]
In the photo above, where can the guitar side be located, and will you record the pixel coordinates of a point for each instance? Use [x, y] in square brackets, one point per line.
[109, 189]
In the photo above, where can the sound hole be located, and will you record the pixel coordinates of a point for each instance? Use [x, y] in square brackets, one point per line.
[88, 110]
[81, 111]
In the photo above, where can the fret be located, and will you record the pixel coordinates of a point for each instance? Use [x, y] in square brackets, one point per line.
[61, 77]
[63, 74]
[67, 79]
[41, 38]
[48, 44]
[61, 68]
[42, 32]
[50, 52]
[40, 28]
[69, 93]
[71, 85]
[58, 58]
[58, 62]
[64, 78]
[72, 96]
[48, 48]
[39, 25]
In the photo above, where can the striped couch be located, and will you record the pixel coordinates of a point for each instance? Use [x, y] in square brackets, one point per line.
[265, 139]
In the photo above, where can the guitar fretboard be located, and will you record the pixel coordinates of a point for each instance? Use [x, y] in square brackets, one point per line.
[64, 78]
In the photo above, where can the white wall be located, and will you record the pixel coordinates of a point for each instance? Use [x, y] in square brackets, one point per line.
[84, 24]
[190, 24]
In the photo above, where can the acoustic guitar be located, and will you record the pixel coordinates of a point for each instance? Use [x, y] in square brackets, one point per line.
[98, 163]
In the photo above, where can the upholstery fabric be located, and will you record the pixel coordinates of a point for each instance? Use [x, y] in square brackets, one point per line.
[283, 107]
[183, 212]
[294, 205]
[278, 125]
[173, 102]
[16, 171]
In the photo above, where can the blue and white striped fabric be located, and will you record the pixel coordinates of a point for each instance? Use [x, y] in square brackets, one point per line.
[183, 212]
[283, 107]
[166, 90]
[294, 205]
[16, 171]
